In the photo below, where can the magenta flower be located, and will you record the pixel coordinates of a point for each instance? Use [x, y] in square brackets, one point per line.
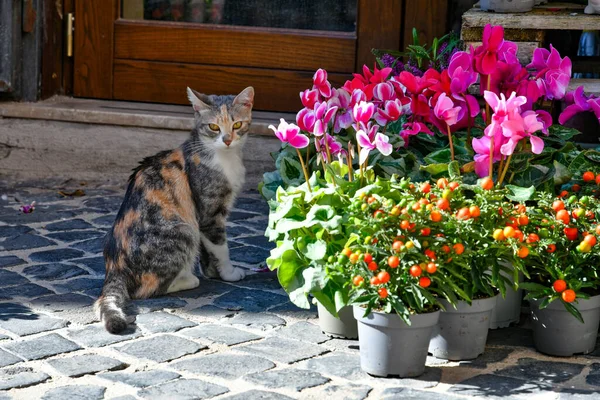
[384, 91]
[413, 128]
[380, 143]
[444, 110]
[391, 111]
[555, 71]
[290, 133]
[363, 112]
[306, 119]
[503, 108]
[323, 115]
[335, 148]
[309, 97]
[519, 127]
[321, 83]
[578, 102]
[486, 55]
[481, 146]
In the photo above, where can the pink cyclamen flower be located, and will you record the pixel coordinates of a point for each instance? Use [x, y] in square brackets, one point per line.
[481, 146]
[444, 110]
[342, 100]
[413, 128]
[504, 108]
[486, 55]
[363, 112]
[335, 148]
[519, 127]
[306, 119]
[391, 111]
[290, 133]
[309, 97]
[554, 70]
[321, 83]
[380, 143]
[579, 102]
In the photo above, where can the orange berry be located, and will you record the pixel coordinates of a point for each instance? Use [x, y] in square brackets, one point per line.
[357, 280]
[368, 258]
[598, 179]
[415, 271]
[375, 281]
[499, 235]
[523, 252]
[551, 248]
[397, 246]
[564, 193]
[558, 205]
[446, 249]
[383, 293]
[430, 253]
[463, 214]
[590, 239]
[533, 238]
[475, 211]
[487, 183]
[521, 209]
[383, 276]
[458, 248]
[393, 262]
[424, 282]
[576, 188]
[425, 232]
[523, 220]
[442, 183]
[509, 232]
[426, 187]
[559, 285]
[435, 216]
[453, 185]
[347, 252]
[443, 204]
[353, 258]
[431, 268]
[588, 176]
[372, 266]
[563, 215]
[404, 224]
[569, 296]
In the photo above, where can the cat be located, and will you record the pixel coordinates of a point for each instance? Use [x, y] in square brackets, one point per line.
[175, 209]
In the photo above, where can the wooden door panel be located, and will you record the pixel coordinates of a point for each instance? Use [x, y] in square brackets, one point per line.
[93, 48]
[235, 46]
[276, 90]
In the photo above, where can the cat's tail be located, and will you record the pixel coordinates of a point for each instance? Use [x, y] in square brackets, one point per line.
[111, 305]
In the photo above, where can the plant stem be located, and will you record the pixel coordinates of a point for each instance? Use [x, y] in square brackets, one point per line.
[451, 144]
[327, 149]
[350, 167]
[308, 152]
[505, 170]
[468, 122]
[360, 167]
[304, 170]
[500, 166]
[488, 117]
[491, 175]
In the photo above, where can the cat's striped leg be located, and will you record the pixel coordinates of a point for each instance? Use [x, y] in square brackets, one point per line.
[220, 252]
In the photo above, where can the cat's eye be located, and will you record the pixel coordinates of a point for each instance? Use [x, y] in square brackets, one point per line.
[237, 125]
[214, 127]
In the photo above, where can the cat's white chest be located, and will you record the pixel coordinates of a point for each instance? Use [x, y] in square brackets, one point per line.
[230, 163]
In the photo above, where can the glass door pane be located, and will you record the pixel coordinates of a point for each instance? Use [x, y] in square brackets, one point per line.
[322, 15]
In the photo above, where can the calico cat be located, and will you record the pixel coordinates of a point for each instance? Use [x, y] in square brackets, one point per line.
[175, 209]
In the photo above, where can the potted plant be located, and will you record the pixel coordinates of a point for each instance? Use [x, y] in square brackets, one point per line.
[564, 286]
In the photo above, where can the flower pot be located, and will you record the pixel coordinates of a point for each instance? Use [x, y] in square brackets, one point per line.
[388, 346]
[507, 6]
[462, 332]
[342, 327]
[558, 333]
[507, 309]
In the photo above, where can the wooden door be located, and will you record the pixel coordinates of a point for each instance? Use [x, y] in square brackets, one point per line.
[150, 50]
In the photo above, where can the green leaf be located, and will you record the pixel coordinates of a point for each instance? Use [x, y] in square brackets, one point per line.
[532, 287]
[574, 311]
[454, 170]
[299, 297]
[316, 251]
[442, 156]
[562, 174]
[520, 194]
[434, 169]
[291, 172]
[289, 269]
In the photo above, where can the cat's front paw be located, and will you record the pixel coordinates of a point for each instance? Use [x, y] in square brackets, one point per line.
[233, 274]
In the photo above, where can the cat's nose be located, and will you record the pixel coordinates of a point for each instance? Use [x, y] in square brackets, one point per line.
[227, 140]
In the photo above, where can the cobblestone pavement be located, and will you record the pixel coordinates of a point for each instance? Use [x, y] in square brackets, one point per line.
[240, 340]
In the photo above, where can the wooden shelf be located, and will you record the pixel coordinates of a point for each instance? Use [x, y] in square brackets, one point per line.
[553, 16]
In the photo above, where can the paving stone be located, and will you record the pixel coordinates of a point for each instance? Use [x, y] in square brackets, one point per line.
[347, 392]
[79, 392]
[578, 394]
[19, 377]
[10, 261]
[284, 350]
[249, 300]
[96, 336]
[7, 359]
[490, 356]
[210, 311]
[39, 215]
[220, 334]
[106, 221]
[68, 225]
[28, 290]
[262, 321]
[260, 224]
[295, 379]
[157, 303]
[85, 364]
[261, 280]
[511, 336]
[183, 389]
[161, 322]
[430, 378]
[258, 395]
[161, 348]
[74, 236]
[226, 366]
[240, 215]
[62, 302]
[25, 241]
[94, 263]
[54, 271]
[413, 394]
[108, 203]
[52, 256]
[126, 397]
[41, 347]
[249, 254]
[237, 230]
[31, 323]
[207, 288]
[10, 231]
[550, 372]
[593, 377]
[292, 310]
[304, 331]
[4, 396]
[141, 379]
[79, 285]
[345, 345]
[91, 246]
[10, 278]
[254, 205]
[495, 386]
[342, 365]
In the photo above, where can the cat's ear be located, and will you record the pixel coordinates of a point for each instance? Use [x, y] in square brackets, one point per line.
[198, 100]
[245, 98]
